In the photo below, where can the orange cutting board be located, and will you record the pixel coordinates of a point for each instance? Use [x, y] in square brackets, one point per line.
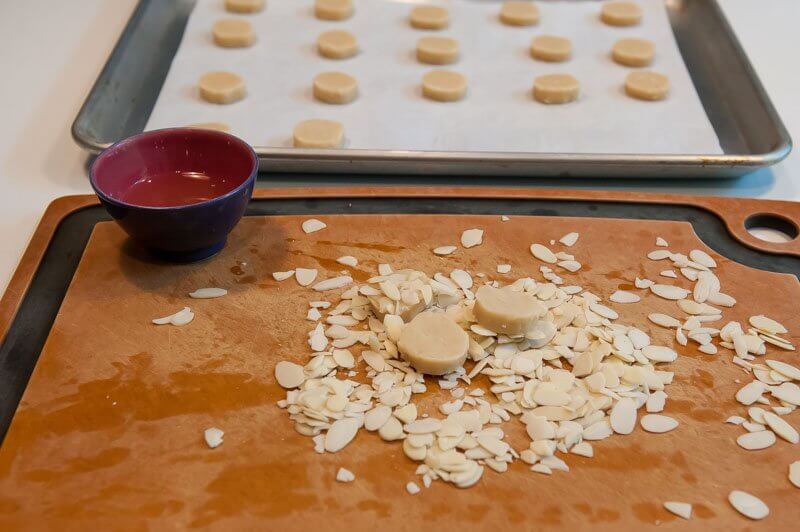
[109, 432]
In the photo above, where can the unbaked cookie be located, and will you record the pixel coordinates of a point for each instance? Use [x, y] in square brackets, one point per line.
[333, 9]
[433, 343]
[444, 86]
[221, 87]
[621, 13]
[519, 13]
[233, 33]
[335, 87]
[337, 44]
[551, 48]
[634, 52]
[429, 17]
[556, 88]
[647, 86]
[244, 6]
[437, 50]
[213, 126]
[318, 134]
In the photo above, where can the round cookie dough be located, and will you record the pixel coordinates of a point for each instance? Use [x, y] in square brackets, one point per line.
[519, 13]
[437, 50]
[634, 52]
[551, 48]
[213, 126]
[444, 86]
[333, 9]
[335, 87]
[556, 88]
[244, 6]
[649, 86]
[621, 13]
[221, 87]
[433, 343]
[337, 44]
[429, 17]
[318, 134]
[233, 33]
[506, 311]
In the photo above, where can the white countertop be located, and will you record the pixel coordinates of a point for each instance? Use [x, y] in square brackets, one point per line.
[52, 51]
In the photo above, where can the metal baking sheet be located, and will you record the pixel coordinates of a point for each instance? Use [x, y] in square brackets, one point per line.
[750, 131]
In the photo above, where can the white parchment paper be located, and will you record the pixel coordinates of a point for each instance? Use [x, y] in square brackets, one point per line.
[390, 113]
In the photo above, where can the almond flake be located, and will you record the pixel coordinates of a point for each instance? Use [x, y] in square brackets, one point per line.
[664, 320]
[289, 375]
[412, 488]
[655, 402]
[180, 318]
[471, 238]
[348, 260]
[755, 441]
[723, 300]
[282, 276]
[620, 296]
[208, 293]
[333, 284]
[643, 283]
[669, 273]
[794, 473]
[658, 424]
[583, 448]
[784, 369]
[748, 505]
[766, 324]
[341, 433]
[213, 437]
[312, 225]
[660, 242]
[681, 509]
[658, 353]
[781, 427]
[669, 291]
[703, 258]
[623, 416]
[569, 239]
[749, 393]
[305, 276]
[543, 254]
[735, 420]
[444, 250]
[788, 392]
[504, 218]
[345, 475]
[659, 254]
[503, 268]
[570, 265]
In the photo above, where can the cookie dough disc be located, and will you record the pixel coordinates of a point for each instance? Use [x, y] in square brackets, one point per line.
[430, 17]
[621, 13]
[519, 13]
[506, 311]
[318, 134]
[647, 85]
[335, 87]
[221, 87]
[433, 343]
[634, 52]
[444, 86]
[244, 6]
[333, 9]
[556, 88]
[551, 48]
[214, 126]
[437, 50]
[233, 33]
[337, 44]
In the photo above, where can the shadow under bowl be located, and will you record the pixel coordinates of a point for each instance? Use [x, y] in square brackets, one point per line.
[178, 191]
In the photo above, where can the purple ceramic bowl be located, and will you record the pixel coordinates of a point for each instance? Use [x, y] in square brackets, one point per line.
[177, 191]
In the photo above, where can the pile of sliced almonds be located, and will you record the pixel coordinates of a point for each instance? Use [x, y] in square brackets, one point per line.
[577, 377]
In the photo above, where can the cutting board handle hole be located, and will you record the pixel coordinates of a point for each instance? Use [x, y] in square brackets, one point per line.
[771, 228]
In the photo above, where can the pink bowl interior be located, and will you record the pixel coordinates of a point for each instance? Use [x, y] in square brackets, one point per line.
[173, 167]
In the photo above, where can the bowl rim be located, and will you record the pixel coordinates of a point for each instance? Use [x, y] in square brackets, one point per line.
[173, 130]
